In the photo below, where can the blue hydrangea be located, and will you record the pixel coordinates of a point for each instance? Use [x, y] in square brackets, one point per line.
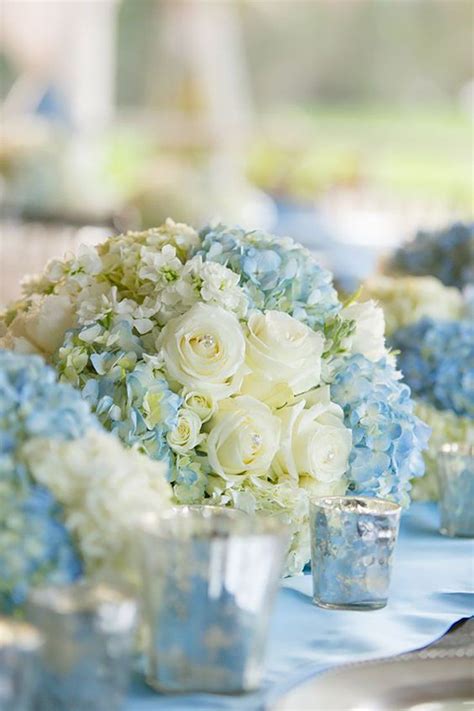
[190, 478]
[129, 395]
[35, 547]
[34, 544]
[446, 254]
[387, 437]
[437, 361]
[275, 273]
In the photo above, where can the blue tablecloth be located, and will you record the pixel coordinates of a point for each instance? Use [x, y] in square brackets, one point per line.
[432, 587]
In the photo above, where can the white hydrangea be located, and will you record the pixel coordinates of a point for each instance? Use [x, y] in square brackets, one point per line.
[104, 489]
[218, 285]
[180, 235]
[209, 282]
[160, 267]
[101, 301]
[177, 298]
[86, 264]
[101, 281]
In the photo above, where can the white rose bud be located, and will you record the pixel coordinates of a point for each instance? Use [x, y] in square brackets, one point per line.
[186, 435]
[314, 442]
[200, 403]
[282, 349]
[205, 349]
[244, 437]
[368, 337]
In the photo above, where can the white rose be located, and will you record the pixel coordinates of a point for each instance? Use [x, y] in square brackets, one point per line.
[204, 350]
[186, 435]
[282, 349]
[273, 394]
[41, 329]
[314, 441]
[244, 437]
[200, 403]
[369, 335]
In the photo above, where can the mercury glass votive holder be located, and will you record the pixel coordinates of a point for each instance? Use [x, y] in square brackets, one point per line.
[20, 644]
[456, 489]
[89, 636]
[352, 544]
[210, 578]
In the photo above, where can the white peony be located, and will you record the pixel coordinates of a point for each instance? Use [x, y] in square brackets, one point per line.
[41, 328]
[314, 441]
[282, 349]
[368, 338]
[104, 488]
[244, 436]
[187, 433]
[204, 350]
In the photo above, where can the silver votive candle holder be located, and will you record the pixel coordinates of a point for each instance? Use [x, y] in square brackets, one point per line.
[89, 636]
[20, 644]
[210, 577]
[456, 489]
[352, 544]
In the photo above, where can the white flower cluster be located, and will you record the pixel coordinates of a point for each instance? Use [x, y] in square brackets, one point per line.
[104, 489]
[83, 288]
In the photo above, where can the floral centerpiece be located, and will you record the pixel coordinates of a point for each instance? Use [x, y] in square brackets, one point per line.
[431, 325]
[447, 254]
[69, 490]
[227, 355]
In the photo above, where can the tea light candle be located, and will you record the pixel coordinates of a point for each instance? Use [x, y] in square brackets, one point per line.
[210, 577]
[456, 489]
[20, 644]
[89, 636]
[352, 543]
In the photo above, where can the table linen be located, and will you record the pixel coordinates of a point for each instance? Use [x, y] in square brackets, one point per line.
[432, 587]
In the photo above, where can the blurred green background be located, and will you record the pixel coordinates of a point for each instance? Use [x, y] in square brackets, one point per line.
[340, 122]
